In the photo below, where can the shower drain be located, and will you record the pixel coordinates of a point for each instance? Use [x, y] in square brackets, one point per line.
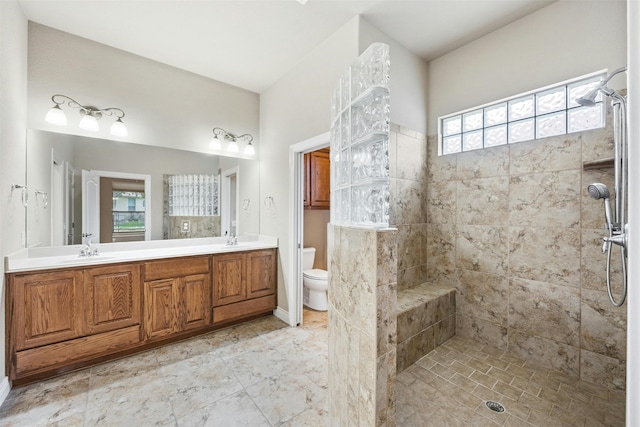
[495, 406]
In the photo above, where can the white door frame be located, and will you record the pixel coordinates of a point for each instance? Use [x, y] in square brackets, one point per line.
[89, 174]
[57, 200]
[225, 194]
[296, 225]
[633, 298]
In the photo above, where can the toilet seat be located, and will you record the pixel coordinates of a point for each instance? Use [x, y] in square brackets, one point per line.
[316, 273]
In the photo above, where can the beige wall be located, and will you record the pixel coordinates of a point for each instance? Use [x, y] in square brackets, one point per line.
[564, 40]
[315, 234]
[294, 109]
[13, 114]
[164, 106]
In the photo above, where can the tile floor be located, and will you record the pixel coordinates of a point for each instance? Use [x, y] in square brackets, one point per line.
[263, 373]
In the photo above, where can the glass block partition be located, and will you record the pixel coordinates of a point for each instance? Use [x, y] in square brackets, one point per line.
[360, 142]
[194, 195]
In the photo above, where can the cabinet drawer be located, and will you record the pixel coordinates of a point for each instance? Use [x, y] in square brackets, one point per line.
[165, 269]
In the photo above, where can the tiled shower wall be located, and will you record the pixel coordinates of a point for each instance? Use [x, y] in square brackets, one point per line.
[515, 231]
[408, 210]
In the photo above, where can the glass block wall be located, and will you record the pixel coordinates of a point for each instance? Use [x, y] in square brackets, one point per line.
[194, 195]
[360, 142]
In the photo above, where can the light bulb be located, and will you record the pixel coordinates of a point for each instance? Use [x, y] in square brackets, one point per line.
[232, 147]
[119, 129]
[88, 122]
[249, 150]
[56, 116]
[215, 143]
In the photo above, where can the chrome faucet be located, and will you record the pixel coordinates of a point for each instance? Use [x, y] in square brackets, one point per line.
[232, 240]
[86, 249]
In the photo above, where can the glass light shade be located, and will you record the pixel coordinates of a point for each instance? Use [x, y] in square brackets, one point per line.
[119, 129]
[56, 116]
[89, 123]
[215, 143]
[249, 150]
[232, 147]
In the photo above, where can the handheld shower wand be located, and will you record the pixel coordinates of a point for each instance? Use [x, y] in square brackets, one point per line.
[600, 191]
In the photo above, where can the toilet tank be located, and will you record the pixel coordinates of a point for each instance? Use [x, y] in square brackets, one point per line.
[308, 255]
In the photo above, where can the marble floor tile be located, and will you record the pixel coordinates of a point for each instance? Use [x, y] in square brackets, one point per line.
[263, 373]
[235, 410]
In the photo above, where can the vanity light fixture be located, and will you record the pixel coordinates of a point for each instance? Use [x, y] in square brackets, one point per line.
[90, 115]
[220, 135]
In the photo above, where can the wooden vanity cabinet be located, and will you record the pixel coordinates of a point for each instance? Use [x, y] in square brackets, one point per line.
[317, 179]
[176, 296]
[244, 284]
[63, 317]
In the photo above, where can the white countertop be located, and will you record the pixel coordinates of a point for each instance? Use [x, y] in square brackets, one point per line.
[55, 257]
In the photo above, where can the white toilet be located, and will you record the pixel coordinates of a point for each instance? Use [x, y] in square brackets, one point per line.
[315, 281]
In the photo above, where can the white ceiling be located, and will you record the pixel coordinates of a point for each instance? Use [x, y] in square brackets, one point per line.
[252, 43]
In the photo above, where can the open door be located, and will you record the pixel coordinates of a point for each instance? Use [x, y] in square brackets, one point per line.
[229, 201]
[91, 205]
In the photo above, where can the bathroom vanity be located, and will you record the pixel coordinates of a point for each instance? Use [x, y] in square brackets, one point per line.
[65, 311]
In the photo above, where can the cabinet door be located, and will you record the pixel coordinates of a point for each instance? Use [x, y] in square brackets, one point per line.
[48, 308]
[113, 297]
[229, 278]
[195, 302]
[161, 307]
[261, 273]
[320, 179]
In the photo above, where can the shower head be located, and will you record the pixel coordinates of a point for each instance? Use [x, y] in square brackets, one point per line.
[598, 191]
[589, 98]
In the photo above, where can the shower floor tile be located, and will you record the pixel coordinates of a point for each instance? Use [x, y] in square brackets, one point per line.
[531, 395]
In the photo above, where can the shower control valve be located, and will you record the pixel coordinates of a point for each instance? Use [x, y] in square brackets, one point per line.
[619, 239]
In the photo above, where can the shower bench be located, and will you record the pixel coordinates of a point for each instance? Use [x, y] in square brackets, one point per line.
[426, 318]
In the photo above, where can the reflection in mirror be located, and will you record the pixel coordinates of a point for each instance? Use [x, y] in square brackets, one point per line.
[55, 165]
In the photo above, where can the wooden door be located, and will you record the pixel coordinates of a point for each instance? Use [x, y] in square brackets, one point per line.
[49, 308]
[195, 302]
[229, 278]
[161, 307]
[261, 273]
[320, 179]
[113, 297]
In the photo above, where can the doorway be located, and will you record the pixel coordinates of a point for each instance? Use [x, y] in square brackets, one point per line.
[93, 192]
[296, 221]
[230, 180]
[61, 201]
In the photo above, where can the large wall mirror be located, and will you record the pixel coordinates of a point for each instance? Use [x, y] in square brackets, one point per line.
[120, 191]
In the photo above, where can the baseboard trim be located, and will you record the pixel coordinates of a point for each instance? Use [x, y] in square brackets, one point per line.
[282, 315]
[5, 388]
